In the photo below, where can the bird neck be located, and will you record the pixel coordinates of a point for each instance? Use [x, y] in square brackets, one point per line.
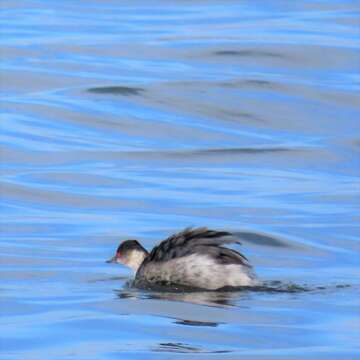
[136, 258]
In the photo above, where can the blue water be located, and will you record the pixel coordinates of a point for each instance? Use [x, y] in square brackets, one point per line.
[134, 119]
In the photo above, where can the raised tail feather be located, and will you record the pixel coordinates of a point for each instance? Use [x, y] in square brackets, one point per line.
[189, 241]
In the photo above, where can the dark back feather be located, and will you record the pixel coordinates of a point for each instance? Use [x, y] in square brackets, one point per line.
[198, 240]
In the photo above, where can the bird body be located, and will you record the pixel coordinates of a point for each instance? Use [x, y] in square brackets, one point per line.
[192, 258]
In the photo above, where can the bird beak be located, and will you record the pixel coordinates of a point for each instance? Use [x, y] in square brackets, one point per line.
[112, 260]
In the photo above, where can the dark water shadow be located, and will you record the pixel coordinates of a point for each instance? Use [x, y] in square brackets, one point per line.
[260, 239]
[196, 323]
[240, 115]
[117, 90]
[249, 53]
[241, 150]
[252, 82]
[184, 348]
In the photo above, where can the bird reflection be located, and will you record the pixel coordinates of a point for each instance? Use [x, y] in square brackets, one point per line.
[220, 298]
[208, 298]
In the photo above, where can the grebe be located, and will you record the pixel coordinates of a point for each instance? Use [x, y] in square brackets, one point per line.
[191, 258]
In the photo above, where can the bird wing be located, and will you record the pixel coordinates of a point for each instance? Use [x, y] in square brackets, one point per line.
[198, 240]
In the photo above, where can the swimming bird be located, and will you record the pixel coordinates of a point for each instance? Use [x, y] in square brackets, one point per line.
[192, 258]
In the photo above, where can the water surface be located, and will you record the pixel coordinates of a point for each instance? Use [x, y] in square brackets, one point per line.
[136, 119]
